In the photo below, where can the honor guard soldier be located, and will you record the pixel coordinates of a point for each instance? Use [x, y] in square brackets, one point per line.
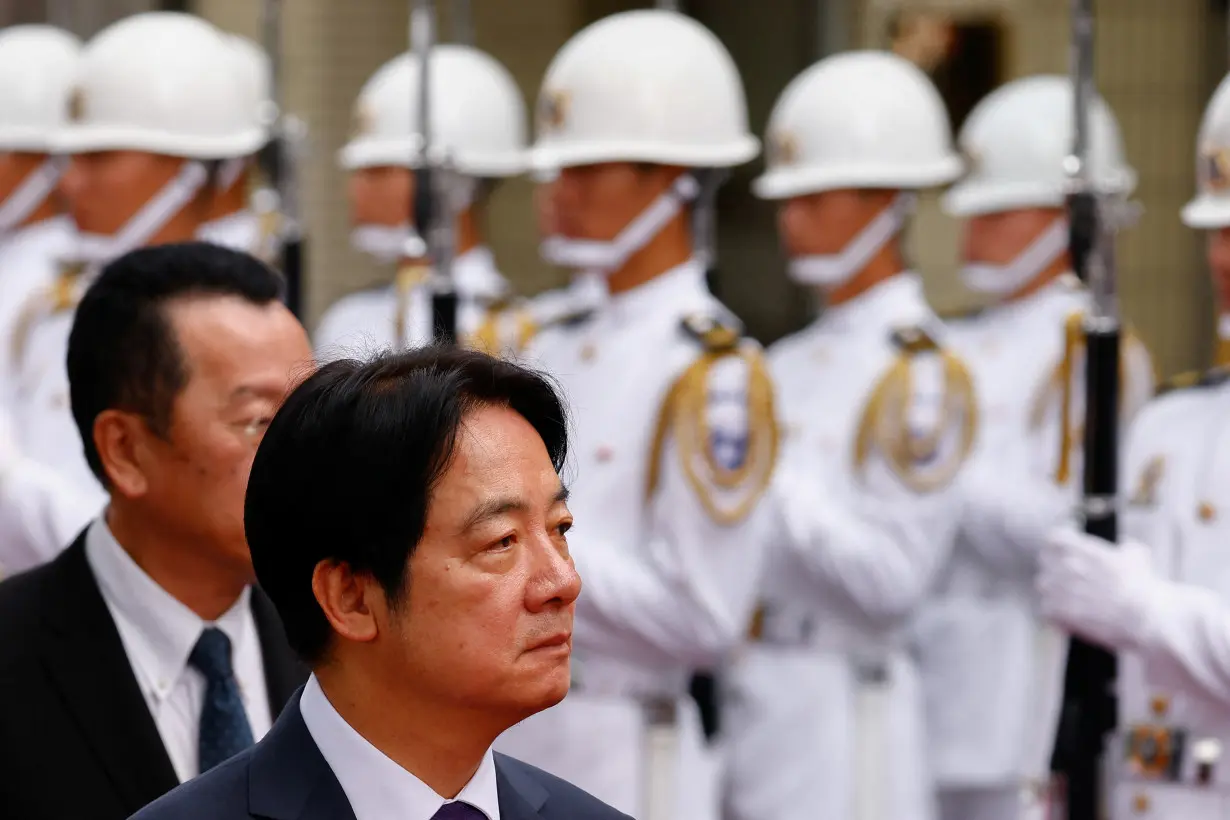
[672, 406]
[1165, 607]
[992, 670]
[38, 66]
[156, 103]
[825, 707]
[232, 222]
[478, 120]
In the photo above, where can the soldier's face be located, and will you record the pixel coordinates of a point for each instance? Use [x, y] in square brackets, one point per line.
[380, 196]
[997, 239]
[824, 223]
[598, 201]
[240, 360]
[1219, 266]
[105, 189]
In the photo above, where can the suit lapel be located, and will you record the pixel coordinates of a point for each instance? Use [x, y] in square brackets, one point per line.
[521, 798]
[289, 779]
[85, 660]
[284, 673]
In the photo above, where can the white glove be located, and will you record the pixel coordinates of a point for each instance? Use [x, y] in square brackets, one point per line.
[1104, 593]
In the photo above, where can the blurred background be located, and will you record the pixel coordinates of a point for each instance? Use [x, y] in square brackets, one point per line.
[1157, 63]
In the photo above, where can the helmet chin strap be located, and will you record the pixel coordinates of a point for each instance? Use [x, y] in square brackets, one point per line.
[99, 249]
[229, 171]
[835, 269]
[1002, 280]
[384, 243]
[390, 243]
[607, 256]
[31, 193]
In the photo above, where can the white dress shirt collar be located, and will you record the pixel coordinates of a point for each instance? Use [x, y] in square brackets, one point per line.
[887, 303]
[665, 292]
[377, 787]
[1066, 290]
[167, 630]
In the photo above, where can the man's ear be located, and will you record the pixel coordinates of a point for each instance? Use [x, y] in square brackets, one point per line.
[345, 598]
[122, 440]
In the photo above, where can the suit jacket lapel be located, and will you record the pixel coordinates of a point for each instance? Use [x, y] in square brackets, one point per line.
[520, 797]
[85, 660]
[289, 779]
[284, 673]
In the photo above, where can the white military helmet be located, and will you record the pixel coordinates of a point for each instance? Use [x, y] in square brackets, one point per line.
[1211, 206]
[863, 119]
[161, 82]
[643, 86]
[255, 78]
[38, 65]
[478, 115]
[1016, 141]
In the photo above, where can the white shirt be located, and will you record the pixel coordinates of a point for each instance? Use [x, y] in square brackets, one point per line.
[377, 787]
[28, 260]
[240, 231]
[158, 633]
[366, 321]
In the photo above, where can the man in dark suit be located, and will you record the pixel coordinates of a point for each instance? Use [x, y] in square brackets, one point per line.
[407, 519]
[143, 655]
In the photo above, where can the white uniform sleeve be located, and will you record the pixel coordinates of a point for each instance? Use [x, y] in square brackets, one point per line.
[691, 590]
[40, 512]
[1009, 507]
[884, 557]
[870, 533]
[1187, 639]
[691, 595]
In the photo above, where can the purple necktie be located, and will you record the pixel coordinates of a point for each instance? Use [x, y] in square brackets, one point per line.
[458, 811]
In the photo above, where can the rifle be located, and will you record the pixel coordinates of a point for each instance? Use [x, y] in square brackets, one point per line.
[279, 200]
[704, 210]
[1089, 705]
[433, 211]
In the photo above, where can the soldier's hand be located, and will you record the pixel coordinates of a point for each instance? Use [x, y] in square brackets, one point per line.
[1102, 592]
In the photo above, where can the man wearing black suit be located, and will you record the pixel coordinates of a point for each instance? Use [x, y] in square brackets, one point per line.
[407, 519]
[143, 655]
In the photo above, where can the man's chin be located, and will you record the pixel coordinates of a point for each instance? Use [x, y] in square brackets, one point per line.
[544, 691]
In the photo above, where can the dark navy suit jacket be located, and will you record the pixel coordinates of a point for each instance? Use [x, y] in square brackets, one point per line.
[285, 777]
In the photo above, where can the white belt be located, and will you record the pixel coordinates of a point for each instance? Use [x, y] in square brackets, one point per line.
[797, 628]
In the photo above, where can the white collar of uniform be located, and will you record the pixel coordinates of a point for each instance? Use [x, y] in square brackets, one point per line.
[227, 225]
[476, 276]
[165, 630]
[887, 303]
[664, 291]
[1067, 293]
[38, 232]
[377, 787]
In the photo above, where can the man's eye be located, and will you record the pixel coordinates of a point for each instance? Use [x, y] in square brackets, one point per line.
[504, 543]
[564, 527]
[257, 426]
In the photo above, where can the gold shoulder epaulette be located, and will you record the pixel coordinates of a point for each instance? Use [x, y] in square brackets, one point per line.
[924, 458]
[1194, 378]
[1181, 381]
[960, 314]
[720, 417]
[914, 339]
[715, 334]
